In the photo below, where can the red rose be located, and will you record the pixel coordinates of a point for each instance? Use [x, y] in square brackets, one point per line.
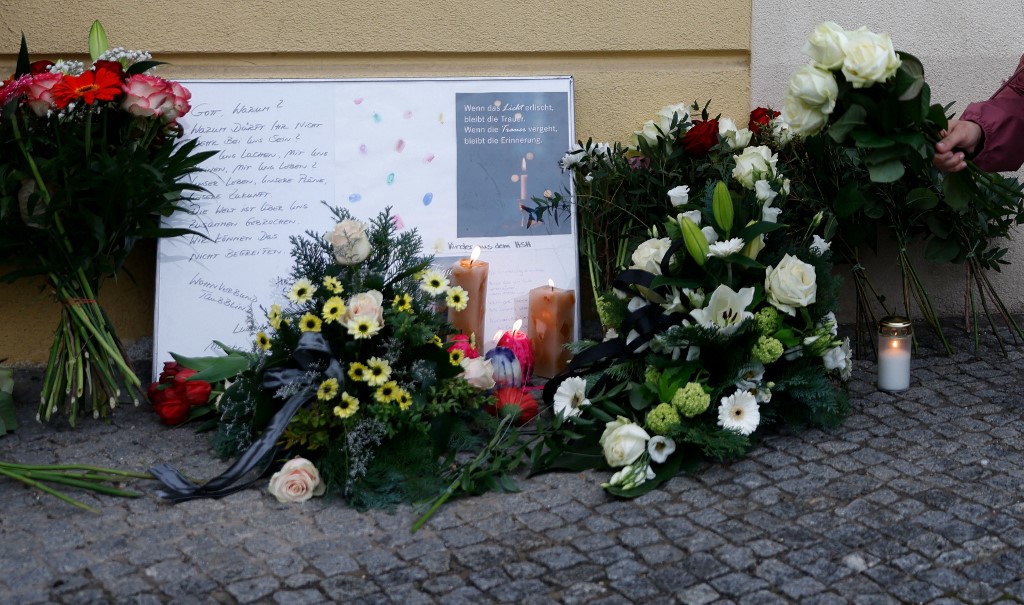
[700, 138]
[759, 117]
[40, 67]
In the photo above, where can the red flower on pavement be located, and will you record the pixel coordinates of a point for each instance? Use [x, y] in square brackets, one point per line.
[516, 398]
[99, 85]
[175, 394]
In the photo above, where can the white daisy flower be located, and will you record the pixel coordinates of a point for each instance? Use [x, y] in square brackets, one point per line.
[726, 248]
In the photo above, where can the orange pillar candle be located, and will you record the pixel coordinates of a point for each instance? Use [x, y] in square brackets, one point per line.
[471, 274]
[552, 319]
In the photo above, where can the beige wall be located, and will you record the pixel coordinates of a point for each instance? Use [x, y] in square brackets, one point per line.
[966, 49]
[627, 61]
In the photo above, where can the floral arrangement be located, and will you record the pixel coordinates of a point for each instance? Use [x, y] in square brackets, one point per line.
[721, 326]
[864, 132]
[91, 161]
[359, 382]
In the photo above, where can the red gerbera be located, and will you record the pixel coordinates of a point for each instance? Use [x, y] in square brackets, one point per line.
[91, 86]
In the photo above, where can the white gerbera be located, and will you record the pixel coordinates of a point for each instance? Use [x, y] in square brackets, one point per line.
[570, 397]
[660, 448]
[726, 248]
[739, 412]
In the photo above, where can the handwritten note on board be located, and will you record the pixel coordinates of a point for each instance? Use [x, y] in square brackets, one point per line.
[287, 147]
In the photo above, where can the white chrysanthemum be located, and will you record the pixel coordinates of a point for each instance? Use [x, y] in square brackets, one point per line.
[729, 246]
[659, 448]
[570, 397]
[434, 282]
[739, 412]
[572, 158]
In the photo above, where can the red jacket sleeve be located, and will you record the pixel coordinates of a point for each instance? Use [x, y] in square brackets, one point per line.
[1002, 120]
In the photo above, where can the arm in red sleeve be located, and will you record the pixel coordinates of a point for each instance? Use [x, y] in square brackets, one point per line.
[1002, 120]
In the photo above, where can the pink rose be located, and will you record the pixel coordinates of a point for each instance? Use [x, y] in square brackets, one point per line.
[297, 481]
[180, 102]
[37, 93]
[367, 304]
[148, 96]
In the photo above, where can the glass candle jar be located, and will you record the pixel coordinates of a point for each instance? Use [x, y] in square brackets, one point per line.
[894, 340]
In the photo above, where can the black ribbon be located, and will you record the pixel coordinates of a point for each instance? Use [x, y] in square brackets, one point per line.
[312, 354]
[647, 321]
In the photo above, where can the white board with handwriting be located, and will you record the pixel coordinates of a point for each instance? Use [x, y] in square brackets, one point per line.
[455, 158]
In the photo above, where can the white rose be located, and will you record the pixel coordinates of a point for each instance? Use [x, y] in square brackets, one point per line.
[668, 112]
[770, 215]
[623, 442]
[478, 372]
[791, 284]
[648, 255]
[764, 193]
[297, 481]
[803, 120]
[693, 215]
[781, 134]
[735, 138]
[679, 195]
[709, 234]
[349, 241]
[815, 87]
[366, 304]
[870, 58]
[648, 133]
[825, 46]
[754, 163]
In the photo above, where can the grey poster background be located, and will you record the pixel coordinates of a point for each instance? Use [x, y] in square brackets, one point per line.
[497, 133]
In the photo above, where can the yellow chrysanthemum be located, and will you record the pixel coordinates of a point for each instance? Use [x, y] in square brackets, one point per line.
[357, 371]
[310, 323]
[457, 298]
[328, 389]
[402, 302]
[263, 341]
[386, 392]
[455, 356]
[434, 282]
[437, 340]
[334, 309]
[302, 291]
[404, 399]
[361, 326]
[274, 317]
[333, 285]
[349, 405]
[378, 372]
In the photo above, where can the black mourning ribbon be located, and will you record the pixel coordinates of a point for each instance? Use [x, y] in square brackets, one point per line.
[648, 321]
[312, 354]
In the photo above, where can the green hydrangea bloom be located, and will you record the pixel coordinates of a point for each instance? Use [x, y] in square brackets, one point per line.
[691, 400]
[663, 420]
[652, 376]
[767, 349]
[767, 320]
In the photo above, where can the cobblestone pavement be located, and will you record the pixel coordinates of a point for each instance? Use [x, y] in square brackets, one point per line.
[917, 499]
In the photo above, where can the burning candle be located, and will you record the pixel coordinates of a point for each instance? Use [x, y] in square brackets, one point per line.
[520, 344]
[894, 339]
[471, 274]
[552, 319]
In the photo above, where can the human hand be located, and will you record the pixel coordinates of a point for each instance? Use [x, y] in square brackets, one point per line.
[961, 136]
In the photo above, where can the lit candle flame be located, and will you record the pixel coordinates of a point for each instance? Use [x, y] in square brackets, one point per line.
[551, 283]
[498, 335]
[475, 255]
[518, 324]
[524, 164]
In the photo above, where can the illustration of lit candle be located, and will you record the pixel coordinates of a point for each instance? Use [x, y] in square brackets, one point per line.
[552, 319]
[522, 182]
[521, 347]
[471, 274]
